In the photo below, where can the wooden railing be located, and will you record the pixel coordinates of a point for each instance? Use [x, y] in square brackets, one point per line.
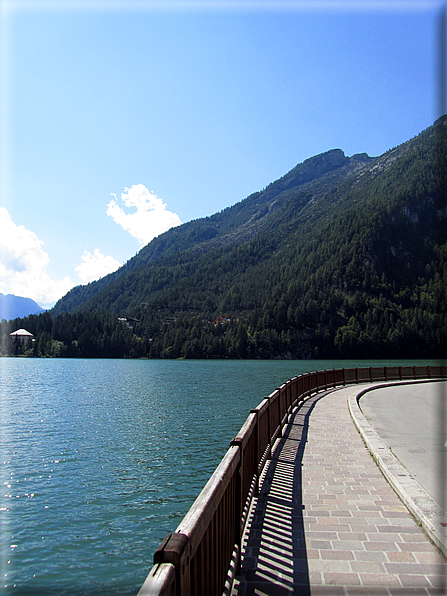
[203, 554]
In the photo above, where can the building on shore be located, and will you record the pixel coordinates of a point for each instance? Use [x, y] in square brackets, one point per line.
[22, 336]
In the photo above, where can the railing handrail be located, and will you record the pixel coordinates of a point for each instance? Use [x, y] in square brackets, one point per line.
[203, 554]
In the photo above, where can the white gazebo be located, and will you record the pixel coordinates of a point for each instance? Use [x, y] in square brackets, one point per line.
[22, 335]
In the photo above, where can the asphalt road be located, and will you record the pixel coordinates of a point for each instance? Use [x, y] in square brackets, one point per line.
[412, 421]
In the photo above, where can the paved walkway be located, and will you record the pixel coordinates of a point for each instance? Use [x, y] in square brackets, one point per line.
[327, 522]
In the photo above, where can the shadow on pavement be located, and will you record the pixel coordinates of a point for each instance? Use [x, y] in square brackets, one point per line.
[275, 559]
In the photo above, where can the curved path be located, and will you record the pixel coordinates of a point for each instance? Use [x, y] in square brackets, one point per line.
[326, 521]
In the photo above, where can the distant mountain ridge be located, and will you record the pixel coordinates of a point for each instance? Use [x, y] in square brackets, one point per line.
[340, 257]
[238, 223]
[13, 307]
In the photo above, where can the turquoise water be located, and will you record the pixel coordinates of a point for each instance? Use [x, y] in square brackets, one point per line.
[100, 459]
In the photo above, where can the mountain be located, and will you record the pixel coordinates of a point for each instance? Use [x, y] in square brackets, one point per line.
[13, 307]
[341, 257]
[233, 226]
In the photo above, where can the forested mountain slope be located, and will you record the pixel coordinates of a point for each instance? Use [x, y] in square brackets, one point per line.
[340, 257]
[235, 224]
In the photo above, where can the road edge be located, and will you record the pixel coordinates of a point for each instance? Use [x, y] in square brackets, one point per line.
[420, 504]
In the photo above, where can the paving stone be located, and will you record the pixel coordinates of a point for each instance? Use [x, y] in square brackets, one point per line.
[438, 581]
[414, 538]
[362, 528]
[414, 580]
[401, 557]
[432, 557]
[416, 547]
[313, 554]
[395, 514]
[350, 545]
[415, 568]
[327, 591]
[366, 591]
[341, 579]
[411, 591]
[321, 535]
[366, 567]
[328, 566]
[341, 555]
[357, 536]
[378, 537]
[380, 546]
[320, 544]
[370, 556]
[379, 579]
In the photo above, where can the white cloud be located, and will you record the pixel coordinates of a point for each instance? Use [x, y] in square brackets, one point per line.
[96, 265]
[23, 265]
[151, 217]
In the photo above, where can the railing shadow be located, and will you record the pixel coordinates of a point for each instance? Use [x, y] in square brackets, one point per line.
[275, 555]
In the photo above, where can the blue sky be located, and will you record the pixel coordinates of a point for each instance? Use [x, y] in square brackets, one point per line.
[121, 119]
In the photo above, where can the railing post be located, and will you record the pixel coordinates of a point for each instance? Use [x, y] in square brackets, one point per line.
[238, 509]
[279, 412]
[258, 451]
[269, 429]
[175, 549]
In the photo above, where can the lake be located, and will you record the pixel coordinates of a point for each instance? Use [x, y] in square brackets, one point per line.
[100, 459]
